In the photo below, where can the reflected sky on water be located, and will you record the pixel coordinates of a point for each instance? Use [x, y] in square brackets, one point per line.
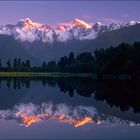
[65, 108]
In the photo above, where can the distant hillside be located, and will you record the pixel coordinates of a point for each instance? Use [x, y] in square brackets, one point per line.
[11, 48]
[113, 38]
[37, 51]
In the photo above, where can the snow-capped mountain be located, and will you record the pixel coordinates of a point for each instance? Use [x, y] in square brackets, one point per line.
[42, 42]
[27, 30]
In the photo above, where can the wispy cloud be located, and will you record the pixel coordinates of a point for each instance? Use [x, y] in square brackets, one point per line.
[125, 16]
[87, 17]
[110, 20]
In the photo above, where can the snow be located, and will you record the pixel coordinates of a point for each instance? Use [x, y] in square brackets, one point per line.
[24, 35]
[26, 30]
[132, 22]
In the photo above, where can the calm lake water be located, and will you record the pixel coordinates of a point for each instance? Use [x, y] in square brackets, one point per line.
[69, 108]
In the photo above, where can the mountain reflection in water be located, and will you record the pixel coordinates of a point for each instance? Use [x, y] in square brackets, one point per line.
[19, 102]
[26, 114]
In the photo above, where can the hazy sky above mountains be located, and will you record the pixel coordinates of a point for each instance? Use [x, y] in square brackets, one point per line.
[65, 11]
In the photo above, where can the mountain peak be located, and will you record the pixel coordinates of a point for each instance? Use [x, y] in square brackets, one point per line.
[132, 22]
[28, 23]
[99, 23]
[26, 20]
[79, 22]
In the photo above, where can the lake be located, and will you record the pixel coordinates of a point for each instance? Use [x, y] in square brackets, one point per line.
[69, 108]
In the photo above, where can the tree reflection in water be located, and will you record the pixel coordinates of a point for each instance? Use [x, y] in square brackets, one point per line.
[119, 93]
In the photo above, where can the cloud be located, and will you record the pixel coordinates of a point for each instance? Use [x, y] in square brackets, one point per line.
[87, 17]
[111, 20]
[125, 16]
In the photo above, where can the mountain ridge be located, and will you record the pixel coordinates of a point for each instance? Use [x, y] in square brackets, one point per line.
[27, 30]
[114, 38]
[37, 51]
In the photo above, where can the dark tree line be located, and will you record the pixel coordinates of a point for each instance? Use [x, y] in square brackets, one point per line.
[123, 59]
[81, 63]
[16, 65]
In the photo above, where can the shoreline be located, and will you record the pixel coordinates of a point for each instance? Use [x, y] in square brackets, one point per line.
[58, 74]
[44, 74]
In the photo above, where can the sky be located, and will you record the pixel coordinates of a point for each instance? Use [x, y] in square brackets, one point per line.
[53, 12]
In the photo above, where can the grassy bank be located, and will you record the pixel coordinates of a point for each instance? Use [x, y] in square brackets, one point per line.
[59, 74]
[43, 74]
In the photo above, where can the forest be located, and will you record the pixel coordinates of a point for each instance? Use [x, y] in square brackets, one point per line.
[121, 59]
